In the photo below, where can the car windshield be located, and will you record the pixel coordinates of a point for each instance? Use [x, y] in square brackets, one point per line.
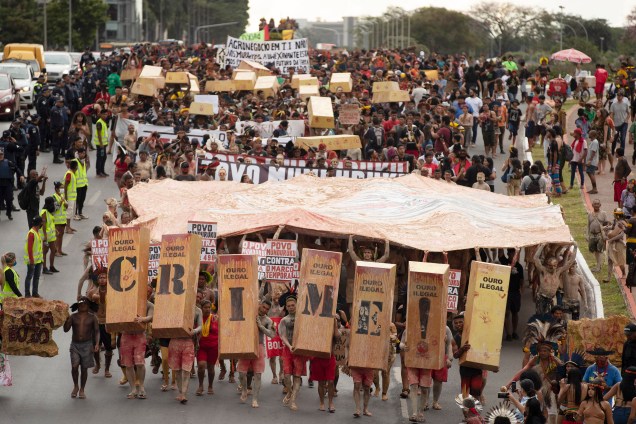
[17, 72]
[57, 59]
[4, 83]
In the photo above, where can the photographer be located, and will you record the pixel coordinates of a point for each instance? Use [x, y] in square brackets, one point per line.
[520, 397]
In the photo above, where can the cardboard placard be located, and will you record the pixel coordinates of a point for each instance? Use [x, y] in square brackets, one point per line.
[238, 308]
[176, 292]
[280, 262]
[587, 334]
[426, 315]
[207, 231]
[385, 86]
[341, 80]
[268, 84]
[349, 115]
[274, 345]
[454, 281]
[317, 299]
[255, 67]
[154, 254]
[485, 315]
[99, 253]
[258, 249]
[371, 316]
[320, 112]
[129, 74]
[391, 96]
[245, 80]
[220, 86]
[128, 250]
[308, 81]
[151, 71]
[305, 92]
[194, 84]
[177, 78]
[341, 348]
[432, 74]
[333, 142]
[197, 108]
[144, 87]
[295, 82]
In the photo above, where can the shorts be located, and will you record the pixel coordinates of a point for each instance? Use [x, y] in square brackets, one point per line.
[322, 369]
[181, 354]
[513, 128]
[513, 304]
[591, 169]
[489, 138]
[295, 365]
[105, 338]
[596, 243]
[619, 186]
[420, 377]
[362, 375]
[70, 209]
[82, 354]
[472, 384]
[442, 373]
[132, 349]
[208, 354]
[530, 130]
[257, 366]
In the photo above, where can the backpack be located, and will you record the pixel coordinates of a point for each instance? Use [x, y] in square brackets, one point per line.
[534, 187]
[23, 198]
[568, 154]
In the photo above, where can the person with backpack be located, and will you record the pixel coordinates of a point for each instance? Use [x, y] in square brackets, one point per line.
[579, 150]
[29, 196]
[533, 183]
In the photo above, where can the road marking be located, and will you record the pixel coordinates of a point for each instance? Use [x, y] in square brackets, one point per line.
[397, 375]
[94, 197]
[67, 239]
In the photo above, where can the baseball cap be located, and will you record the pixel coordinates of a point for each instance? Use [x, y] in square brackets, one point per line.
[6, 133]
[57, 184]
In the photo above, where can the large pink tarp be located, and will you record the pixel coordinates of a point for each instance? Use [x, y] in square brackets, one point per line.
[411, 211]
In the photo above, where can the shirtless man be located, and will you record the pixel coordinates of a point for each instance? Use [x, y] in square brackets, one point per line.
[530, 120]
[181, 356]
[368, 256]
[573, 291]
[97, 294]
[550, 278]
[293, 365]
[132, 350]
[595, 237]
[84, 343]
[265, 328]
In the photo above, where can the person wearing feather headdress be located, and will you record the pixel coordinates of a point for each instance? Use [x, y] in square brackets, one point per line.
[594, 410]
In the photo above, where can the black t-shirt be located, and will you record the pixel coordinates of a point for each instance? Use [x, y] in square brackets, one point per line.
[187, 177]
[472, 171]
[514, 116]
[465, 372]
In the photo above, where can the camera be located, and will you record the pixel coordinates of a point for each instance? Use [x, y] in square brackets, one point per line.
[503, 395]
[513, 387]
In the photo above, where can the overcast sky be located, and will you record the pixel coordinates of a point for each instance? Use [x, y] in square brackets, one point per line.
[333, 10]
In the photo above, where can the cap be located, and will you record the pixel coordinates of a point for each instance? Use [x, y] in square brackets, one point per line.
[6, 134]
[57, 184]
[322, 146]
[630, 328]
[578, 131]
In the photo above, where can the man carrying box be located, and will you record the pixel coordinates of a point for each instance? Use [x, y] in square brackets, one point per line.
[132, 350]
[293, 365]
[181, 356]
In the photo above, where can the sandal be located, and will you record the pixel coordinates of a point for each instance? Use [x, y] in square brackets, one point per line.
[131, 395]
[405, 393]
[107, 374]
[164, 387]
[141, 395]
[210, 391]
[199, 391]
[332, 410]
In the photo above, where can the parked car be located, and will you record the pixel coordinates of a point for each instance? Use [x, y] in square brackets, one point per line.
[9, 97]
[24, 80]
[33, 54]
[58, 64]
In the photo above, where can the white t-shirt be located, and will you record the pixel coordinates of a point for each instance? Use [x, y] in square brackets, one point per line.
[577, 155]
[593, 150]
[476, 104]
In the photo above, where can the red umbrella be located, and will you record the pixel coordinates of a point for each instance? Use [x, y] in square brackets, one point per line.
[571, 55]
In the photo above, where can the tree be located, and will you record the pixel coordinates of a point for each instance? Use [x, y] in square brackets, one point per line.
[630, 33]
[87, 16]
[507, 23]
[20, 22]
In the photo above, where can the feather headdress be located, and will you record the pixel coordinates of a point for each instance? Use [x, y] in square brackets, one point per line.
[468, 402]
[540, 332]
[504, 409]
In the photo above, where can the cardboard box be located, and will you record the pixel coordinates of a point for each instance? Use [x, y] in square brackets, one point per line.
[333, 142]
[308, 81]
[432, 75]
[255, 67]
[307, 91]
[371, 317]
[341, 80]
[245, 80]
[426, 315]
[177, 78]
[320, 112]
[197, 108]
[220, 86]
[485, 315]
[317, 301]
[144, 87]
[194, 84]
[238, 293]
[385, 86]
[295, 82]
[269, 85]
[177, 280]
[391, 96]
[128, 251]
[150, 71]
[129, 74]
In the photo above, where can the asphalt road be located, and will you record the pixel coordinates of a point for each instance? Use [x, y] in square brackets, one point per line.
[41, 386]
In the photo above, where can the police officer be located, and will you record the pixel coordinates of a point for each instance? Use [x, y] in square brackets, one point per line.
[39, 86]
[21, 141]
[7, 172]
[89, 88]
[43, 107]
[86, 58]
[32, 130]
[58, 129]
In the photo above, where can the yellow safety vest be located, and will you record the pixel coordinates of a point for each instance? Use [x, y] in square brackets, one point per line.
[50, 226]
[81, 177]
[37, 248]
[103, 133]
[71, 191]
[6, 290]
[59, 216]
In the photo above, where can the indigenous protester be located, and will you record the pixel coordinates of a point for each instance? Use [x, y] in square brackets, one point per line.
[294, 366]
[85, 342]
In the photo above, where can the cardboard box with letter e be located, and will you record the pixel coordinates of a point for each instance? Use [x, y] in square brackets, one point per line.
[176, 285]
[371, 317]
[128, 253]
[426, 315]
[485, 315]
[320, 112]
[317, 301]
[238, 308]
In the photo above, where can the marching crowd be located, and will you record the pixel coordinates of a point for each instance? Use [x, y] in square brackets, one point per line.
[433, 133]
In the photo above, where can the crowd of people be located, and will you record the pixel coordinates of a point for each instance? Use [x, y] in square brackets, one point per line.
[434, 133]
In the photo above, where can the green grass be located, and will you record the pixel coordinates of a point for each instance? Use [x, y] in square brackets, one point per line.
[576, 218]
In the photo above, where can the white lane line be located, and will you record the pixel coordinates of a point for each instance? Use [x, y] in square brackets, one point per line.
[397, 376]
[94, 197]
[67, 240]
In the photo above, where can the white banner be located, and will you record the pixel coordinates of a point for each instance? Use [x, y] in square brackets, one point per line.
[167, 134]
[282, 54]
[296, 127]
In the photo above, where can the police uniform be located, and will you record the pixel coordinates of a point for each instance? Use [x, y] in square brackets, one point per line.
[43, 107]
[7, 172]
[33, 134]
[58, 131]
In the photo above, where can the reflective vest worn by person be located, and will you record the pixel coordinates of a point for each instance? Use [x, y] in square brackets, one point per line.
[59, 217]
[50, 226]
[71, 191]
[103, 132]
[6, 289]
[37, 248]
[81, 178]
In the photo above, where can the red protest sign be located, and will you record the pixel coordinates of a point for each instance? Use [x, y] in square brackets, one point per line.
[453, 289]
[274, 345]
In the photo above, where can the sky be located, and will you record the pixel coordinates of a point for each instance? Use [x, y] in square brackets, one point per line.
[333, 10]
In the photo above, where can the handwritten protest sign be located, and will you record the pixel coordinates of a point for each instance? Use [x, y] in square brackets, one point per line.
[153, 261]
[453, 289]
[258, 249]
[207, 231]
[349, 115]
[282, 54]
[607, 333]
[274, 345]
[280, 262]
[99, 253]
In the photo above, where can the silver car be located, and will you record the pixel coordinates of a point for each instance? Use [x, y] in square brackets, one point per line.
[58, 64]
[24, 79]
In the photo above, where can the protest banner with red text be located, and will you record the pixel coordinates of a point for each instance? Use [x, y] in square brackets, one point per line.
[280, 262]
[207, 231]
[258, 249]
[453, 289]
[274, 345]
[99, 253]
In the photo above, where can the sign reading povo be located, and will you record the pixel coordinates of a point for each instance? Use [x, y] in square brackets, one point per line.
[280, 262]
[258, 249]
[317, 299]
[127, 278]
[99, 253]
[207, 231]
[154, 254]
[238, 292]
